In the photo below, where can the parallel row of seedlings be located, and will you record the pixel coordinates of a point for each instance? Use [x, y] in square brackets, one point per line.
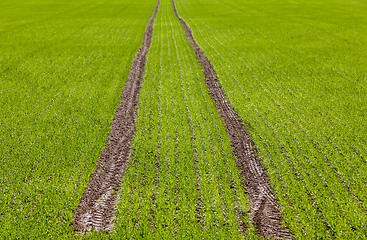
[182, 181]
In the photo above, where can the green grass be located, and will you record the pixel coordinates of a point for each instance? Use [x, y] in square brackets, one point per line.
[63, 65]
[178, 184]
[295, 72]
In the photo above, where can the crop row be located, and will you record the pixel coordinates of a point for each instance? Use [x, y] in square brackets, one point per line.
[182, 181]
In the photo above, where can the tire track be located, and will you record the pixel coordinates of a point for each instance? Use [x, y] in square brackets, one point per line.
[265, 212]
[96, 208]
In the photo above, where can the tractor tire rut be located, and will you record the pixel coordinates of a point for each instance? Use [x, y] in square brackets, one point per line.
[265, 213]
[97, 205]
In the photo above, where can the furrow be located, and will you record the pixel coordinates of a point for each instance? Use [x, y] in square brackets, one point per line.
[96, 208]
[265, 212]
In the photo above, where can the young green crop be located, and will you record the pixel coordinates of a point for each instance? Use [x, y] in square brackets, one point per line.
[295, 74]
[63, 66]
[182, 182]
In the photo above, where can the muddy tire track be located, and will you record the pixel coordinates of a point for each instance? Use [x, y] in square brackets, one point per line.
[265, 213]
[96, 208]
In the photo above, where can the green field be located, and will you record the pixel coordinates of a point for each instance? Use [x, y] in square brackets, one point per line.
[294, 72]
[63, 66]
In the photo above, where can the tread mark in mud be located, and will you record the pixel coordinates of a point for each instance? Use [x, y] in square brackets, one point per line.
[96, 208]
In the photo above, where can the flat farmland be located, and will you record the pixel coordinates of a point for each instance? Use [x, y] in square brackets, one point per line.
[195, 119]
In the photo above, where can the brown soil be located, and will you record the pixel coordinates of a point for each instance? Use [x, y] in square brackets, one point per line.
[265, 212]
[96, 208]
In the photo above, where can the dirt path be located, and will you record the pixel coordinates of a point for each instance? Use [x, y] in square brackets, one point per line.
[96, 208]
[265, 212]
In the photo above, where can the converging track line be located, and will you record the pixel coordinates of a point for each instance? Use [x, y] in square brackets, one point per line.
[265, 212]
[96, 208]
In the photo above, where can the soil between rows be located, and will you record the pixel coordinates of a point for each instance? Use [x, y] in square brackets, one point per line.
[96, 208]
[265, 212]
